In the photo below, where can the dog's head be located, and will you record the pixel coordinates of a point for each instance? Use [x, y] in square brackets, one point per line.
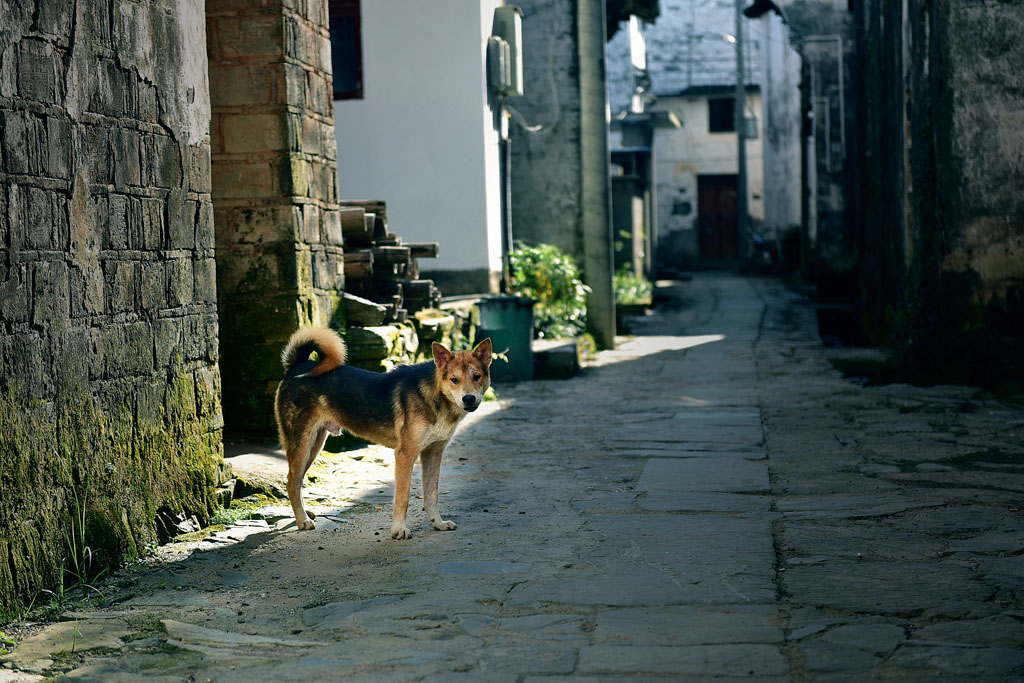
[464, 375]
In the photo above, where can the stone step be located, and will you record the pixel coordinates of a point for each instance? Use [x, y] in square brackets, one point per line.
[556, 358]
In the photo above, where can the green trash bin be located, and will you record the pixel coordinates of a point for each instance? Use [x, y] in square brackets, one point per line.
[508, 321]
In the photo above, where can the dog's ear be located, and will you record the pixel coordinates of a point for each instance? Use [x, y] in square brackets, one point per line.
[483, 351]
[441, 354]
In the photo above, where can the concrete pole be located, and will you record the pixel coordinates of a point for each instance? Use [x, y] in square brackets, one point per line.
[596, 210]
[741, 142]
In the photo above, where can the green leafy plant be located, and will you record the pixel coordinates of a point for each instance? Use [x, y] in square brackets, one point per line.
[545, 273]
[631, 288]
[229, 515]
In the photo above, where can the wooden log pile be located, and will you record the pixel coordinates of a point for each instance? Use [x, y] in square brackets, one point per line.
[381, 268]
[390, 310]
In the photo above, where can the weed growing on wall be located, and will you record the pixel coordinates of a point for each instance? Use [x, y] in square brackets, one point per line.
[545, 273]
[77, 567]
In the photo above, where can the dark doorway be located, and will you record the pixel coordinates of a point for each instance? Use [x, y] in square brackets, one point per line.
[717, 209]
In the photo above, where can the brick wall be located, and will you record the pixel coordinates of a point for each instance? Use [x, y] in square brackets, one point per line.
[110, 414]
[279, 256]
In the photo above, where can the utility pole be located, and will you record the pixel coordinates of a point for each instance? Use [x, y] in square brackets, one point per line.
[741, 143]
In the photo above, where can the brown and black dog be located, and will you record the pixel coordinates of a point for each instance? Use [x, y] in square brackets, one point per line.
[413, 409]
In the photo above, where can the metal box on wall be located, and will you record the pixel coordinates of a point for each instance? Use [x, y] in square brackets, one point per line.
[508, 25]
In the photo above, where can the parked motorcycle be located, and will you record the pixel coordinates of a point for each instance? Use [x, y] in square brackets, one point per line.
[763, 253]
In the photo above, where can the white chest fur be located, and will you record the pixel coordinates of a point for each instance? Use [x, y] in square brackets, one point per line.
[439, 432]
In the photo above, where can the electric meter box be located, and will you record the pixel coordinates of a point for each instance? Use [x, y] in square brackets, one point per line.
[499, 71]
[508, 25]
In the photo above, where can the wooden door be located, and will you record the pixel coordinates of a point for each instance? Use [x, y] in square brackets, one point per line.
[717, 211]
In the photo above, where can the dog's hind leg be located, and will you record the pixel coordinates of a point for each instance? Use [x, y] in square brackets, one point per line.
[299, 461]
[430, 461]
[317, 447]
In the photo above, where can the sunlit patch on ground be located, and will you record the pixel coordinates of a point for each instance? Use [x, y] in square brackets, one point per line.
[631, 348]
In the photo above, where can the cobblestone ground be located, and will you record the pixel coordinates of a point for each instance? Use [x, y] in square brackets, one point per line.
[711, 500]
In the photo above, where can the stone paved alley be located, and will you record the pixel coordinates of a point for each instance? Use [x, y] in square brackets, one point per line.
[711, 500]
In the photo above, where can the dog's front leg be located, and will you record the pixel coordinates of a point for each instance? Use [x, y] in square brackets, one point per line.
[405, 457]
[430, 461]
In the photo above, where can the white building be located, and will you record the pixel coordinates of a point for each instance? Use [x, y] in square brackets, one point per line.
[692, 69]
[697, 178]
[416, 130]
[780, 88]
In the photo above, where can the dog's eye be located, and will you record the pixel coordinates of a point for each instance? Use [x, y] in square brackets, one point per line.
[455, 380]
[476, 377]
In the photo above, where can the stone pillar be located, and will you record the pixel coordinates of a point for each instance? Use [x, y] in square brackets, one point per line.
[595, 181]
[279, 256]
[110, 420]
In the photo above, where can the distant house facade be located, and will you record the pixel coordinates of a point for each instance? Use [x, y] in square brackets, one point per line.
[687, 93]
[416, 128]
[697, 178]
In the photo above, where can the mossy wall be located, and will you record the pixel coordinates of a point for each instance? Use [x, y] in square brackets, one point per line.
[110, 418]
[90, 481]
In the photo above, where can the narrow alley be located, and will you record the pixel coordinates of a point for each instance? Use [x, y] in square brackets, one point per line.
[711, 500]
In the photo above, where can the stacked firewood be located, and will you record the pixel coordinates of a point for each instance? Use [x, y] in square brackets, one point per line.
[380, 267]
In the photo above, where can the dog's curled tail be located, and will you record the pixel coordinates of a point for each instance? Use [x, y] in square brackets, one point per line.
[298, 353]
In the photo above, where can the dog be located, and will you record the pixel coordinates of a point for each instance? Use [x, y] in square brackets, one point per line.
[413, 409]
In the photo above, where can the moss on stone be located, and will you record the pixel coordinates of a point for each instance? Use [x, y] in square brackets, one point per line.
[85, 482]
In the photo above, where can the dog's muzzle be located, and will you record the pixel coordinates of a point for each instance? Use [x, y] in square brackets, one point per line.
[470, 402]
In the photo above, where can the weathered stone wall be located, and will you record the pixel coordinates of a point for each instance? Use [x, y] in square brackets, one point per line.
[110, 414]
[783, 142]
[279, 256]
[822, 33]
[546, 164]
[560, 173]
[949, 141]
[881, 92]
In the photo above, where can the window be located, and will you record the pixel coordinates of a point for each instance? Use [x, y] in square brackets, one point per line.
[721, 115]
[346, 49]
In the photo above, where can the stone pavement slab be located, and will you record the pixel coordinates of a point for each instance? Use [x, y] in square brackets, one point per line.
[691, 625]
[894, 539]
[64, 638]
[713, 660]
[757, 517]
[664, 559]
[721, 474]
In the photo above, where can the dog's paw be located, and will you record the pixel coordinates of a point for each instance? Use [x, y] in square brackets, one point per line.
[305, 526]
[400, 532]
[445, 525]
